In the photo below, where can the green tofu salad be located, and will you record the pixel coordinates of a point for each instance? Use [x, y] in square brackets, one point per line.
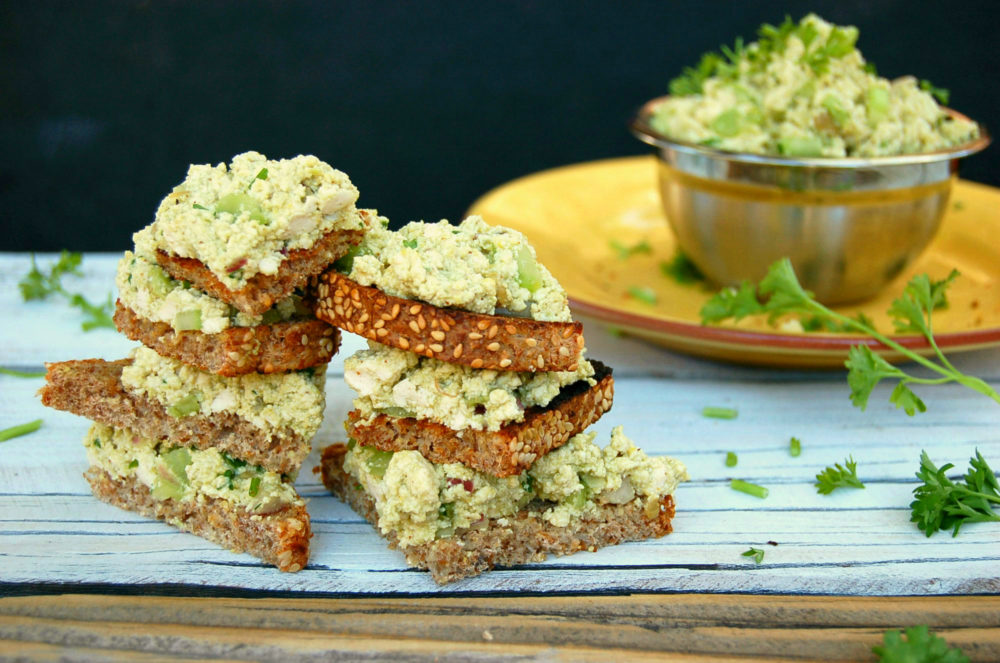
[804, 90]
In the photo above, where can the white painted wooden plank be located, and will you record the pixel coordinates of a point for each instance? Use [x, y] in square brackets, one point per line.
[860, 542]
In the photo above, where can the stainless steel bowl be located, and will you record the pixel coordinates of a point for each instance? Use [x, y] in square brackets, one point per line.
[849, 225]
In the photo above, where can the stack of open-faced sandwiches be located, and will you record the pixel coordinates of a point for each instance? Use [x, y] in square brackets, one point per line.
[466, 445]
[207, 425]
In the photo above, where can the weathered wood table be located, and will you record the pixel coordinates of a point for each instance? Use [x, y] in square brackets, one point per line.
[84, 579]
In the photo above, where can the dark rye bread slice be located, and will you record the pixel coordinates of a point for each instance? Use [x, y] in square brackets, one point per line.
[274, 348]
[502, 453]
[263, 290]
[92, 388]
[524, 538]
[280, 538]
[478, 340]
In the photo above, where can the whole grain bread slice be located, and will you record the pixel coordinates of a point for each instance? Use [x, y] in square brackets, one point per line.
[273, 348]
[519, 539]
[502, 453]
[280, 538]
[92, 388]
[263, 290]
[478, 340]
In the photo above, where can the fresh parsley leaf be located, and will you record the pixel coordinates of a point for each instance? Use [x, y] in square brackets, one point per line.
[941, 94]
[410, 243]
[942, 504]
[780, 293]
[261, 175]
[624, 251]
[644, 294]
[756, 553]
[836, 476]
[19, 430]
[95, 315]
[36, 285]
[681, 269]
[917, 645]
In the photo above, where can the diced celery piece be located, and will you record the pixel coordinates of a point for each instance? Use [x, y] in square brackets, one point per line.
[877, 104]
[727, 123]
[237, 203]
[188, 320]
[528, 274]
[593, 484]
[377, 461]
[800, 146]
[164, 490]
[159, 282]
[394, 411]
[579, 498]
[837, 112]
[177, 460]
[185, 406]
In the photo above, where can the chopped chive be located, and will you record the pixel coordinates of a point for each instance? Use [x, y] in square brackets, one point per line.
[795, 447]
[134, 464]
[97, 443]
[644, 294]
[22, 429]
[254, 486]
[201, 207]
[731, 459]
[719, 412]
[756, 553]
[748, 488]
[21, 374]
[261, 175]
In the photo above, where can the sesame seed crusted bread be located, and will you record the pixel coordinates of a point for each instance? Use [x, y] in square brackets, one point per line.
[280, 538]
[273, 348]
[262, 290]
[502, 453]
[477, 340]
[520, 539]
[92, 388]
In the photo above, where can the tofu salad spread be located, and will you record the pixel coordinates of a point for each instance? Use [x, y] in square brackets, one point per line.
[244, 218]
[805, 90]
[420, 501]
[182, 473]
[403, 384]
[472, 266]
[274, 403]
[145, 288]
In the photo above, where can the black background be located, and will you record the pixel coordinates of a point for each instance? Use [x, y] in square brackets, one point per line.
[425, 105]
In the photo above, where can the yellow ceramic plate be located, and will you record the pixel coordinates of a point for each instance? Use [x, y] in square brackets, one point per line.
[572, 215]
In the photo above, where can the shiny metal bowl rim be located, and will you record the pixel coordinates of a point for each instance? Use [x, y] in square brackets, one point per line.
[641, 129]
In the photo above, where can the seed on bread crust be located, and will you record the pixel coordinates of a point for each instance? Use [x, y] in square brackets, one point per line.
[262, 290]
[521, 539]
[502, 453]
[473, 339]
[274, 348]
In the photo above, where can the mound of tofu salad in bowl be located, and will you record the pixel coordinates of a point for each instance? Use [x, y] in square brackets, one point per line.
[793, 146]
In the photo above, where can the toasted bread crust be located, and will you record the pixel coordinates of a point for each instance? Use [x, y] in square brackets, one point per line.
[263, 290]
[524, 538]
[502, 453]
[274, 348]
[280, 538]
[92, 388]
[459, 337]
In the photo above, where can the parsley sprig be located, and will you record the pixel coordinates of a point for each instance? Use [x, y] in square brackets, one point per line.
[38, 285]
[918, 645]
[942, 504]
[780, 293]
[838, 476]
